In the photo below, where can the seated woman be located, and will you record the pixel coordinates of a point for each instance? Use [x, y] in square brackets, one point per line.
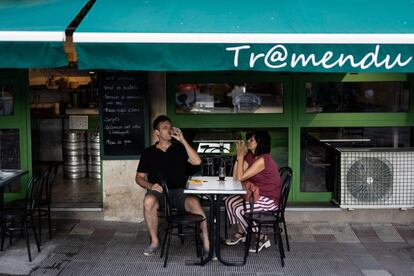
[255, 165]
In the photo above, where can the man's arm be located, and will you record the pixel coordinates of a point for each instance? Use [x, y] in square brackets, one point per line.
[141, 181]
[193, 156]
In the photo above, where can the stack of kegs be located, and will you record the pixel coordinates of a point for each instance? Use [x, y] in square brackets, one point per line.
[74, 154]
[94, 157]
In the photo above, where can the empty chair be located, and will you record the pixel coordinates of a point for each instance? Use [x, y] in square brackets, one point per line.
[21, 219]
[45, 199]
[270, 219]
[179, 221]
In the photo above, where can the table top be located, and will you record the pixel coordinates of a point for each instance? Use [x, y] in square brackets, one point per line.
[212, 185]
[9, 175]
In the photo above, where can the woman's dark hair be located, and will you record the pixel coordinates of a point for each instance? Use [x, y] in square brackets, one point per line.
[160, 119]
[263, 141]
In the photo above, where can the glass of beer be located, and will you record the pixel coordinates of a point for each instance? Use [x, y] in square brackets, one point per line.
[222, 173]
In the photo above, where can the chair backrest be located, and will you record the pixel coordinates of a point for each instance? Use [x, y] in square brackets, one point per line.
[210, 165]
[286, 178]
[52, 171]
[284, 171]
[165, 193]
[33, 190]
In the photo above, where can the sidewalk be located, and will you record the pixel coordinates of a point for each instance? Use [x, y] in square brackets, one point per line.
[115, 248]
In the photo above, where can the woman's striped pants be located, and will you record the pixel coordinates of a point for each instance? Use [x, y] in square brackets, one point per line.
[236, 209]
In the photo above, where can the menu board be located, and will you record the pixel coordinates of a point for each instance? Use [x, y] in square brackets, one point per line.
[123, 109]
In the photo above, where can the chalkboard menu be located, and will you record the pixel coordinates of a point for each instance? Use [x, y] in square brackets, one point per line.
[123, 109]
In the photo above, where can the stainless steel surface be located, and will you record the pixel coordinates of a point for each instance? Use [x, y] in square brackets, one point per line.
[74, 136]
[75, 159]
[74, 175]
[94, 155]
[77, 146]
[74, 169]
[74, 155]
[94, 159]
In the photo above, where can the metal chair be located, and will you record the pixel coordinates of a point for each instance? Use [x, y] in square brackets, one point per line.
[285, 176]
[271, 219]
[179, 221]
[45, 199]
[20, 219]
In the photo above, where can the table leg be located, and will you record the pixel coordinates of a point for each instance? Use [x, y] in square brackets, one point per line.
[217, 234]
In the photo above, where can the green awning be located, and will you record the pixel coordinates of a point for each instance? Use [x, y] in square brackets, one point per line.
[262, 35]
[32, 32]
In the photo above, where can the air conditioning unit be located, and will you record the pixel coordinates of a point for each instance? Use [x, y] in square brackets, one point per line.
[374, 178]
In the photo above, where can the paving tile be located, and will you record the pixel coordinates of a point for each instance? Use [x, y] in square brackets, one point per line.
[387, 233]
[345, 234]
[321, 228]
[354, 249]
[64, 224]
[324, 238]
[366, 262]
[376, 272]
[394, 265]
[82, 230]
[406, 232]
[102, 235]
[365, 233]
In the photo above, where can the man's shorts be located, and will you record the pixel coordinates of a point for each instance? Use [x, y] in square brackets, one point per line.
[177, 199]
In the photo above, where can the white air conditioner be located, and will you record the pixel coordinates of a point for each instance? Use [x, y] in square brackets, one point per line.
[374, 178]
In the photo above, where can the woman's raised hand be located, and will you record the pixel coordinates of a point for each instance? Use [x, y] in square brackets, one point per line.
[241, 148]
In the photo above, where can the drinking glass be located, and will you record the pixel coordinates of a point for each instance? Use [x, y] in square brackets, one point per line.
[222, 173]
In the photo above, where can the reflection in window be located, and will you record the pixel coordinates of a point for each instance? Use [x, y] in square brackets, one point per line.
[229, 98]
[328, 97]
[318, 150]
[218, 145]
[6, 100]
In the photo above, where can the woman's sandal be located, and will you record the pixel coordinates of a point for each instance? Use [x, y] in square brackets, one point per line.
[263, 242]
[238, 237]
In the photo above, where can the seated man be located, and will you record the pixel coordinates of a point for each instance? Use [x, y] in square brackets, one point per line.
[168, 159]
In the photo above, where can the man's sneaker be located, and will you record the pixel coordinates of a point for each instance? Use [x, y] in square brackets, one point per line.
[263, 243]
[150, 250]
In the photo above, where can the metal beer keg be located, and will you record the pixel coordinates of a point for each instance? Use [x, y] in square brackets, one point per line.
[74, 154]
[94, 156]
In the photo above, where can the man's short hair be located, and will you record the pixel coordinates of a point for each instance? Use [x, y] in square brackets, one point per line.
[160, 119]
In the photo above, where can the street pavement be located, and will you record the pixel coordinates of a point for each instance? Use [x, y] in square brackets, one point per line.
[116, 248]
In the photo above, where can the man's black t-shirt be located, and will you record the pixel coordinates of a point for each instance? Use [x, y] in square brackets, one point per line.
[171, 164]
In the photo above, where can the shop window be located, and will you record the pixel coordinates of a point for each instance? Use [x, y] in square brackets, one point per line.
[328, 97]
[10, 154]
[207, 98]
[6, 100]
[217, 146]
[318, 148]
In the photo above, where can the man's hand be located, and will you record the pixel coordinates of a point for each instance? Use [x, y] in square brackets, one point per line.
[177, 135]
[156, 187]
